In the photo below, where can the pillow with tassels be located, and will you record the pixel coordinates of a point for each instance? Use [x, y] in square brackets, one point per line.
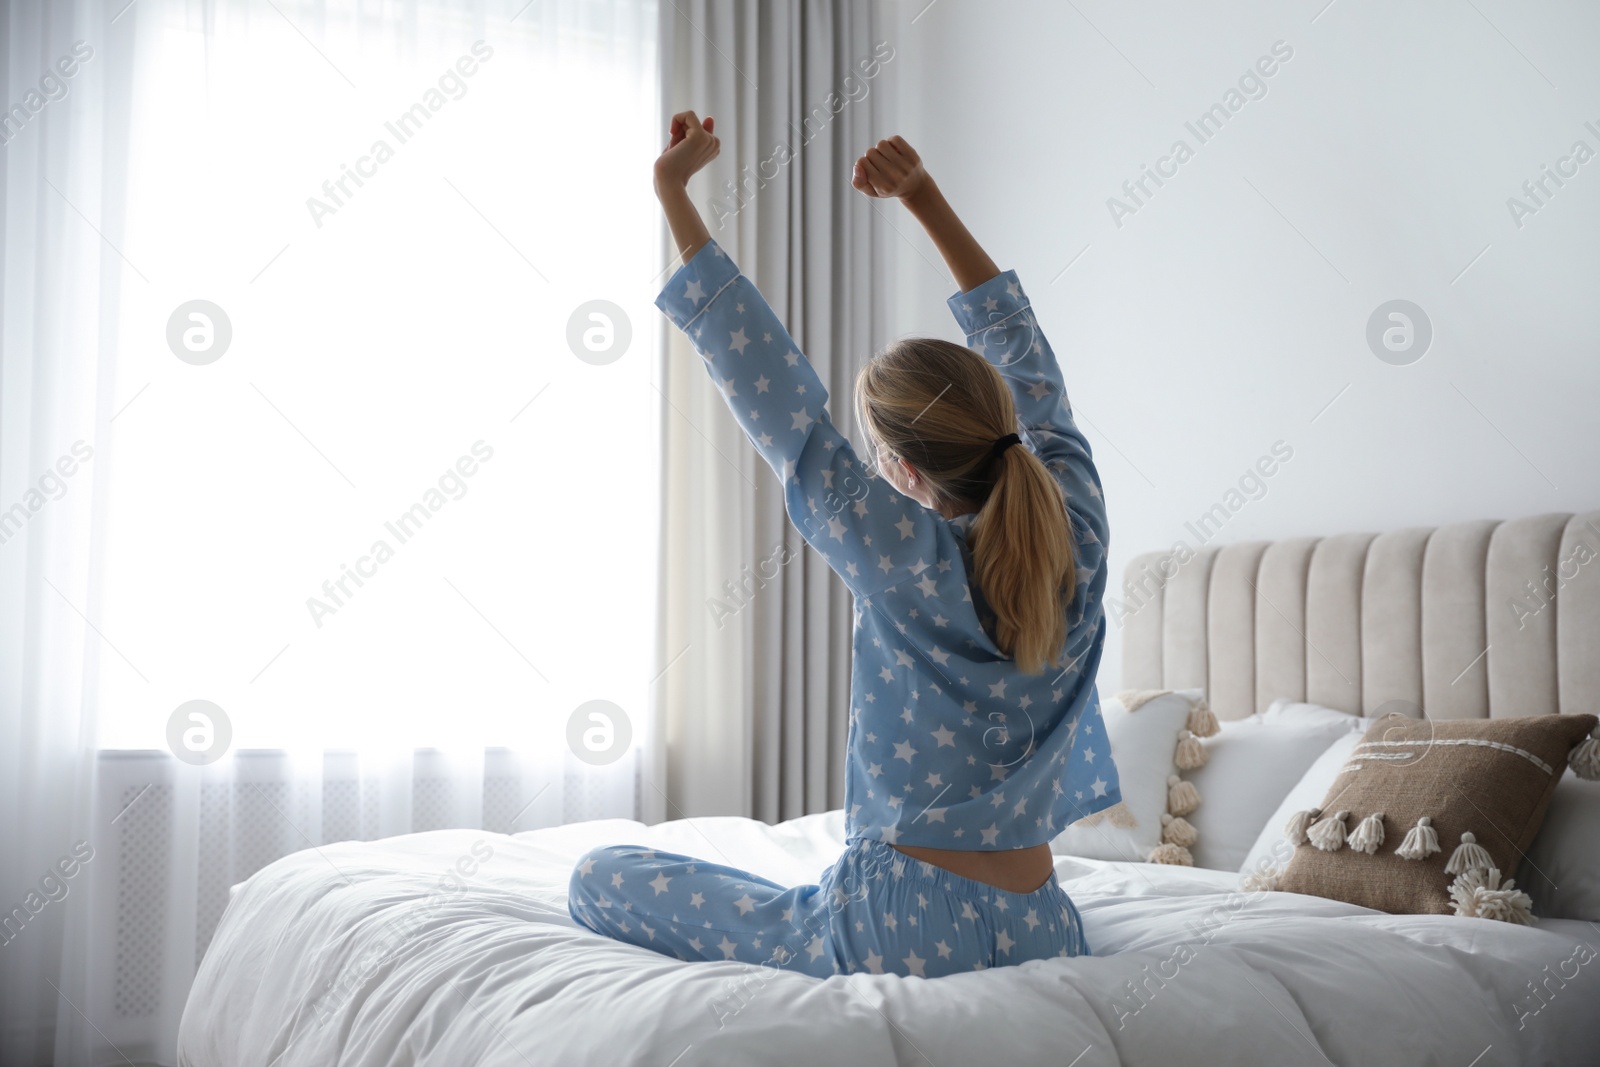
[1154, 735]
[1433, 816]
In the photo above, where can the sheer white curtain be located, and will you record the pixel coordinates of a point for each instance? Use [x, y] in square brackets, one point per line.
[365, 465]
[63, 129]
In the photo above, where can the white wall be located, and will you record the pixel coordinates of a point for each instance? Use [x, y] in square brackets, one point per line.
[1230, 309]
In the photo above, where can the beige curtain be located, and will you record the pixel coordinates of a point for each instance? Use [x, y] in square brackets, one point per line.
[753, 701]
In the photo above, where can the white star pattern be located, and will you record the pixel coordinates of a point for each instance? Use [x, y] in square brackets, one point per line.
[923, 665]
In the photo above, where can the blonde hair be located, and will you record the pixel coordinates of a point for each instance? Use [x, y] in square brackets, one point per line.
[940, 406]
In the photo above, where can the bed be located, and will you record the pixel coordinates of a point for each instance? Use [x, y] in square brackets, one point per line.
[373, 953]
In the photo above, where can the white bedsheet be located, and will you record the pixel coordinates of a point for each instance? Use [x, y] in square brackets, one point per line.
[498, 975]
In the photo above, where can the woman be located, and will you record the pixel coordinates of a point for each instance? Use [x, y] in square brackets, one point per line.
[977, 569]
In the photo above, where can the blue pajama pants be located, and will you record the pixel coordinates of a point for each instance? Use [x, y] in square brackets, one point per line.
[875, 910]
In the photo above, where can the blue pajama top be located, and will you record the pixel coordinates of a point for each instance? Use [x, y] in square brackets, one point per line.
[950, 744]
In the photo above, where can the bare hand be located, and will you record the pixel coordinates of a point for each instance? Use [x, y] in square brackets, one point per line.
[891, 168]
[692, 147]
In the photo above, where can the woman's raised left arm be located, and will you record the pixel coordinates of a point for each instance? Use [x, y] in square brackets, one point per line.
[693, 145]
[871, 534]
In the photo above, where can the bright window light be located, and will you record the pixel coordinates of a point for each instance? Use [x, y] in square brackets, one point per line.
[398, 509]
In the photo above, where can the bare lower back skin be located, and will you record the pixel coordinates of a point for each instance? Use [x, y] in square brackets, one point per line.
[1020, 870]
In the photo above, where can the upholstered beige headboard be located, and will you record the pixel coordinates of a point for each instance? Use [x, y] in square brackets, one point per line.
[1476, 620]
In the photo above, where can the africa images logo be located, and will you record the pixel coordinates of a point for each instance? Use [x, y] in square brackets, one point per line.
[1252, 85]
[404, 127]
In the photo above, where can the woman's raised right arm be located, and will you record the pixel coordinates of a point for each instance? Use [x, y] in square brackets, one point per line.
[999, 322]
[892, 168]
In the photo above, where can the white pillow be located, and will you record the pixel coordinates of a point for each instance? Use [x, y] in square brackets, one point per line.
[1307, 793]
[1252, 765]
[1143, 744]
[1561, 871]
[1285, 710]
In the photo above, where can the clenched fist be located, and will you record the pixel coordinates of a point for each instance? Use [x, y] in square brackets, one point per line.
[692, 146]
[891, 168]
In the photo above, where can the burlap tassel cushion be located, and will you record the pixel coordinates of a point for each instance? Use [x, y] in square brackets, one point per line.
[1436, 802]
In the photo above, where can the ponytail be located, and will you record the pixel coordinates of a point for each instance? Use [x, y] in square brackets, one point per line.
[942, 405]
[1022, 555]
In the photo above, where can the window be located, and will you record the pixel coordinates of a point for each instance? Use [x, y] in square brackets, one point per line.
[397, 508]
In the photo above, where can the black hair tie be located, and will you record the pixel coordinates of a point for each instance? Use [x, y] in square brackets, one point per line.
[1003, 443]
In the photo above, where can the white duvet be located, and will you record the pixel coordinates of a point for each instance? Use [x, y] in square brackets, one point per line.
[353, 954]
